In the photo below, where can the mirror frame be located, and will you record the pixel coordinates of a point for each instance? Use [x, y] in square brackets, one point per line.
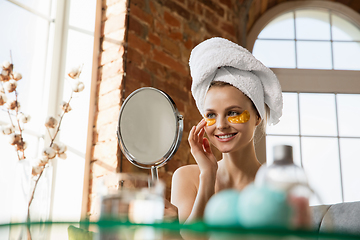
[176, 142]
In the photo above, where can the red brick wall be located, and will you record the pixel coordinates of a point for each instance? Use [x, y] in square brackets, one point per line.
[152, 45]
[159, 35]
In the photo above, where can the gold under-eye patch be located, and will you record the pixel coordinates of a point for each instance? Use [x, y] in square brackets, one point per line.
[242, 118]
[209, 121]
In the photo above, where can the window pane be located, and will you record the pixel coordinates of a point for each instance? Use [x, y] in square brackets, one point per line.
[346, 55]
[317, 114]
[41, 6]
[349, 114]
[70, 174]
[28, 47]
[280, 28]
[277, 54]
[289, 122]
[272, 141]
[79, 51]
[350, 165]
[312, 25]
[314, 55]
[320, 158]
[82, 14]
[344, 30]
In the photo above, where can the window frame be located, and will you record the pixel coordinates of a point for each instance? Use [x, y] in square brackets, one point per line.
[55, 83]
[307, 80]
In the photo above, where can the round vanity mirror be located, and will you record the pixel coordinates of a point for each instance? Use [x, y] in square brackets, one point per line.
[149, 128]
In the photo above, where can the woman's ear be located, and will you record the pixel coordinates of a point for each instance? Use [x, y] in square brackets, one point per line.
[258, 120]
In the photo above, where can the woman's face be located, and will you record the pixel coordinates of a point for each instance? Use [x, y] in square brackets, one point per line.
[222, 102]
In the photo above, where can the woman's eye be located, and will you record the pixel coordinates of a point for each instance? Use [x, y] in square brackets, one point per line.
[210, 115]
[233, 113]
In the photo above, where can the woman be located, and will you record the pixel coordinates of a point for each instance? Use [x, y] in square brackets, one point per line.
[232, 90]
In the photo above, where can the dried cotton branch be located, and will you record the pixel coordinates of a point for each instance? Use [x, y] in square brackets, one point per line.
[51, 122]
[8, 85]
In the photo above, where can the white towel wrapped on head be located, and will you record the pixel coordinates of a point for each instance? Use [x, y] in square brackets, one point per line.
[218, 59]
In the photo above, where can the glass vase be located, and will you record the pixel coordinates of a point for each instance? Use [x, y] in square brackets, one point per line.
[21, 191]
[40, 205]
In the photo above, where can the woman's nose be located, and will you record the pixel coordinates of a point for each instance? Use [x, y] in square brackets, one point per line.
[222, 123]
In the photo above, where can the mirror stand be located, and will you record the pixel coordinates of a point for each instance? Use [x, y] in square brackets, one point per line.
[154, 173]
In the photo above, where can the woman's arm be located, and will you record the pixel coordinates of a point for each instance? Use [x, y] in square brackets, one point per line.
[192, 186]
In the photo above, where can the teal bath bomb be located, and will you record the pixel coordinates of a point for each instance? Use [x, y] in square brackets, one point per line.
[263, 207]
[221, 209]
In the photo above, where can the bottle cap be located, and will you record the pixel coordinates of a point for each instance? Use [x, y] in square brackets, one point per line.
[283, 154]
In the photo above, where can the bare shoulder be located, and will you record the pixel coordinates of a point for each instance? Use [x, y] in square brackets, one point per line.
[187, 173]
[184, 188]
[188, 169]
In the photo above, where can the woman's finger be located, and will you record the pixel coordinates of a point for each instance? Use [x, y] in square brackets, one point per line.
[201, 135]
[200, 126]
[206, 146]
[191, 135]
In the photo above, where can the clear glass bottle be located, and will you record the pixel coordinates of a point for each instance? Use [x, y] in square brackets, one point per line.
[286, 177]
[283, 174]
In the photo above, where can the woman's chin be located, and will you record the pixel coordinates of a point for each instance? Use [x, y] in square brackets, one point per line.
[225, 149]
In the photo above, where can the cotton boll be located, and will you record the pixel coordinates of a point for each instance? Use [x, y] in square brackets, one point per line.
[7, 130]
[6, 64]
[49, 152]
[62, 155]
[4, 76]
[51, 122]
[43, 160]
[17, 76]
[24, 118]
[3, 99]
[74, 72]
[65, 106]
[10, 86]
[22, 145]
[78, 86]
[62, 148]
[12, 104]
[56, 147]
[14, 138]
[2, 89]
[36, 170]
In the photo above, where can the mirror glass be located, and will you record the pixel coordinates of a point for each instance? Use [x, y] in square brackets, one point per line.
[150, 127]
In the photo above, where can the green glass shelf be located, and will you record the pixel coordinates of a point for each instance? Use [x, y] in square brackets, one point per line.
[116, 230]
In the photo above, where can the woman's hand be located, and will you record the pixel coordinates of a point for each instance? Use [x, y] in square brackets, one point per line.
[200, 149]
[170, 212]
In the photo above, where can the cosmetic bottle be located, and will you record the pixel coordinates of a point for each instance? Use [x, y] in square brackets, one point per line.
[283, 174]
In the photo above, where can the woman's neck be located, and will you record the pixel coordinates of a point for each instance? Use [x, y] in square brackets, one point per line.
[237, 169]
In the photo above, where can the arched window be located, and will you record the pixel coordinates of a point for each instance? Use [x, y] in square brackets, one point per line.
[314, 49]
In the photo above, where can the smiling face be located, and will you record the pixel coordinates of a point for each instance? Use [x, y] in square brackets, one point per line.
[223, 103]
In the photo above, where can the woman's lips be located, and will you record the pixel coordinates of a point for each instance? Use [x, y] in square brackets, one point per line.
[225, 137]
